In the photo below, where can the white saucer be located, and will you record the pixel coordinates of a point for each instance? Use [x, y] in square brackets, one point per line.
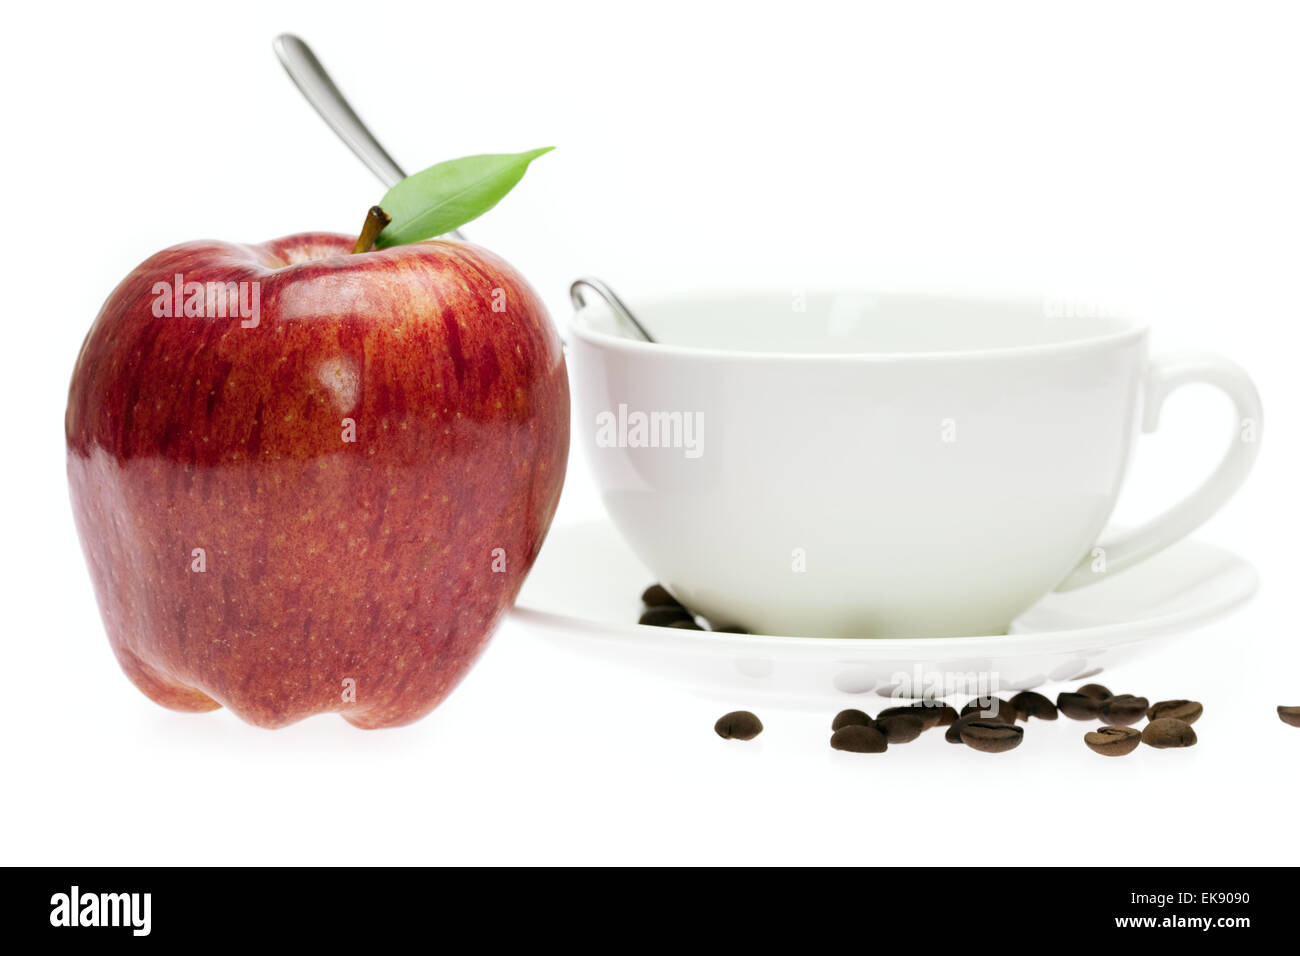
[585, 593]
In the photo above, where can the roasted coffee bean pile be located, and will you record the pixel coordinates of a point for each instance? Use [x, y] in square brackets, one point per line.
[855, 731]
[663, 610]
[990, 724]
[1169, 722]
[932, 713]
[987, 724]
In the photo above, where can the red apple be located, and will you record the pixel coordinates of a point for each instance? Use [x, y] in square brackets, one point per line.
[322, 496]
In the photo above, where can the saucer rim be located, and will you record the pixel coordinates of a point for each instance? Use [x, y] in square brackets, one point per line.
[648, 636]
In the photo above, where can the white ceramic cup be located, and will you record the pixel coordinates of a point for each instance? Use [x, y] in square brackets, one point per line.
[880, 465]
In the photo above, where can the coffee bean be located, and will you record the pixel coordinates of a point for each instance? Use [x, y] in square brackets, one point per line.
[900, 728]
[850, 718]
[1078, 706]
[983, 706]
[992, 736]
[738, 725]
[1124, 709]
[859, 740]
[1113, 741]
[930, 713]
[915, 710]
[953, 733]
[946, 715]
[656, 595]
[1167, 732]
[1095, 691]
[1029, 704]
[1188, 711]
[686, 624]
[661, 615]
[1289, 715]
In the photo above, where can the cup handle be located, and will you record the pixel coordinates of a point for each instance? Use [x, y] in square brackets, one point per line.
[1162, 377]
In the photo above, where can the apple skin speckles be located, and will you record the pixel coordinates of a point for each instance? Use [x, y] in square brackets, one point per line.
[385, 561]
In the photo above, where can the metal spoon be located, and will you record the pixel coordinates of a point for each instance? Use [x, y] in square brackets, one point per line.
[615, 304]
[315, 84]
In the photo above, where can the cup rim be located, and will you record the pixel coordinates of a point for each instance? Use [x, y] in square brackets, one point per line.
[1131, 331]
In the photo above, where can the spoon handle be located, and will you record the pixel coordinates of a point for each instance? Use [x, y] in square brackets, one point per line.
[611, 298]
[315, 84]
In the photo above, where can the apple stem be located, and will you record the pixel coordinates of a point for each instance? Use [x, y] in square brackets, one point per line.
[376, 220]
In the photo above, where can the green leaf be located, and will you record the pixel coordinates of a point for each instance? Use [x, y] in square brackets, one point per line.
[443, 197]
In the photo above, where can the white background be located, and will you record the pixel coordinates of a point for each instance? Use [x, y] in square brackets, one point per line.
[1139, 155]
